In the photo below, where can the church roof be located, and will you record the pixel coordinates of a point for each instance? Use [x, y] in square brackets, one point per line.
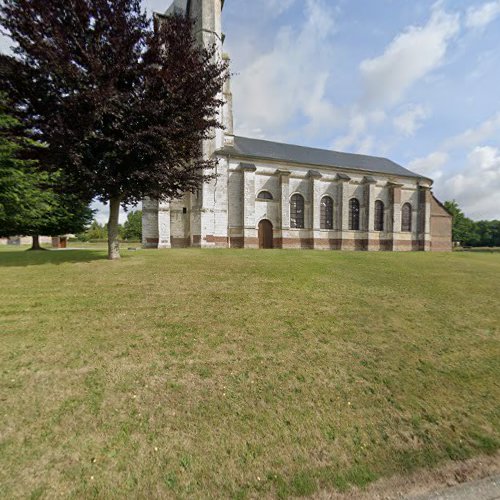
[245, 147]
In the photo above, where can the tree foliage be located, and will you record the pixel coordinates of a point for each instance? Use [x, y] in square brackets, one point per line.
[471, 233]
[29, 205]
[488, 232]
[463, 228]
[132, 229]
[122, 108]
[94, 232]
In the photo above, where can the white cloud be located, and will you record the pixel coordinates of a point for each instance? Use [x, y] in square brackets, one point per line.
[466, 140]
[477, 187]
[289, 81]
[408, 122]
[481, 16]
[357, 138]
[5, 43]
[474, 136]
[277, 7]
[409, 57]
[102, 212]
[365, 146]
[485, 158]
[319, 110]
[431, 165]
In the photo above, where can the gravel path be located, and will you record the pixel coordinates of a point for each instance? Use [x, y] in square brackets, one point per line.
[485, 489]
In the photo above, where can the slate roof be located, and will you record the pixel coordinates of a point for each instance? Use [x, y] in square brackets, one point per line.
[257, 148]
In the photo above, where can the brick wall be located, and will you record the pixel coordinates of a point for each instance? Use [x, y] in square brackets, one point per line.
[441, 227]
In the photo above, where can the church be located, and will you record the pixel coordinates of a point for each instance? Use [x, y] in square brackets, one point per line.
[274, 195]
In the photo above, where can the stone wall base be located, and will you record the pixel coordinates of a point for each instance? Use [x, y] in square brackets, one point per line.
[387, 245]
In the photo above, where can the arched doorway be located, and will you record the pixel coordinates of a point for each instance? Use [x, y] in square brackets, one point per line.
[265, 234]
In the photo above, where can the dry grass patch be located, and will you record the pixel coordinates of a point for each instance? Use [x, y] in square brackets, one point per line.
[242, 373]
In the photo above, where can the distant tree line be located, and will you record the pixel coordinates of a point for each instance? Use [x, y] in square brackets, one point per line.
[469, 233]
[131, 230]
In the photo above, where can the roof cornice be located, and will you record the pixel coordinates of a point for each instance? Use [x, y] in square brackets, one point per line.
[233, 153]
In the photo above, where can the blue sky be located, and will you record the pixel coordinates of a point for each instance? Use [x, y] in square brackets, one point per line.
[413, 81]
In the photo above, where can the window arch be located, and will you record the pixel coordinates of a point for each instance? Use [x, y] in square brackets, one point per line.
[379, 215]
[326, 213]
[297, 211]
[354, 214]
[265, 195]
[406, 218]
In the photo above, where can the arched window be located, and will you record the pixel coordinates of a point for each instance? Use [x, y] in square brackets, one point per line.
[297, 211]
[265, 195]
[406, 218]
[379, 216]
[326, 214]
[354, 215]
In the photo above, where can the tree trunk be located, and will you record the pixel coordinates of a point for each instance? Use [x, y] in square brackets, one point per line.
[36, 243]
[113, 243]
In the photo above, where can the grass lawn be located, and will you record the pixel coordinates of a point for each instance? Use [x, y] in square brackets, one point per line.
[221, 373]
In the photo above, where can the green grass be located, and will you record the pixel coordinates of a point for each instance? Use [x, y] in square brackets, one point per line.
[220, 373]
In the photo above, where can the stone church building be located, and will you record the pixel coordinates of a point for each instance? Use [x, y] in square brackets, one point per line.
[273, 195]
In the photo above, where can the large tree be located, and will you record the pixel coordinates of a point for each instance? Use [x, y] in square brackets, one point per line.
[122, 108]
[29, 206]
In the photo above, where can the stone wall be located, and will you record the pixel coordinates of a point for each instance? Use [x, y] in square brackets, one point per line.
[150, 229]
[228, 210]
[282, 181]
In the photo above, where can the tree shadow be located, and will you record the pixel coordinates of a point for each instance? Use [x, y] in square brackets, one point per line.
[23, 258]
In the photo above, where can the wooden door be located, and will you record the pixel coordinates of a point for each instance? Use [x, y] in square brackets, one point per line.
[265, 234]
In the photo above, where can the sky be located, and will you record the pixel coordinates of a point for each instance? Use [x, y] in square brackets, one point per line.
[416, 82]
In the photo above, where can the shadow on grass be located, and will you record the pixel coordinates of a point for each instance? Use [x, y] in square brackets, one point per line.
[23, 258]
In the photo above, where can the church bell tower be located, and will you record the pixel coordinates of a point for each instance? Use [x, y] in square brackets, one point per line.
[209, 207]
[207, 15]
[199, 219]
